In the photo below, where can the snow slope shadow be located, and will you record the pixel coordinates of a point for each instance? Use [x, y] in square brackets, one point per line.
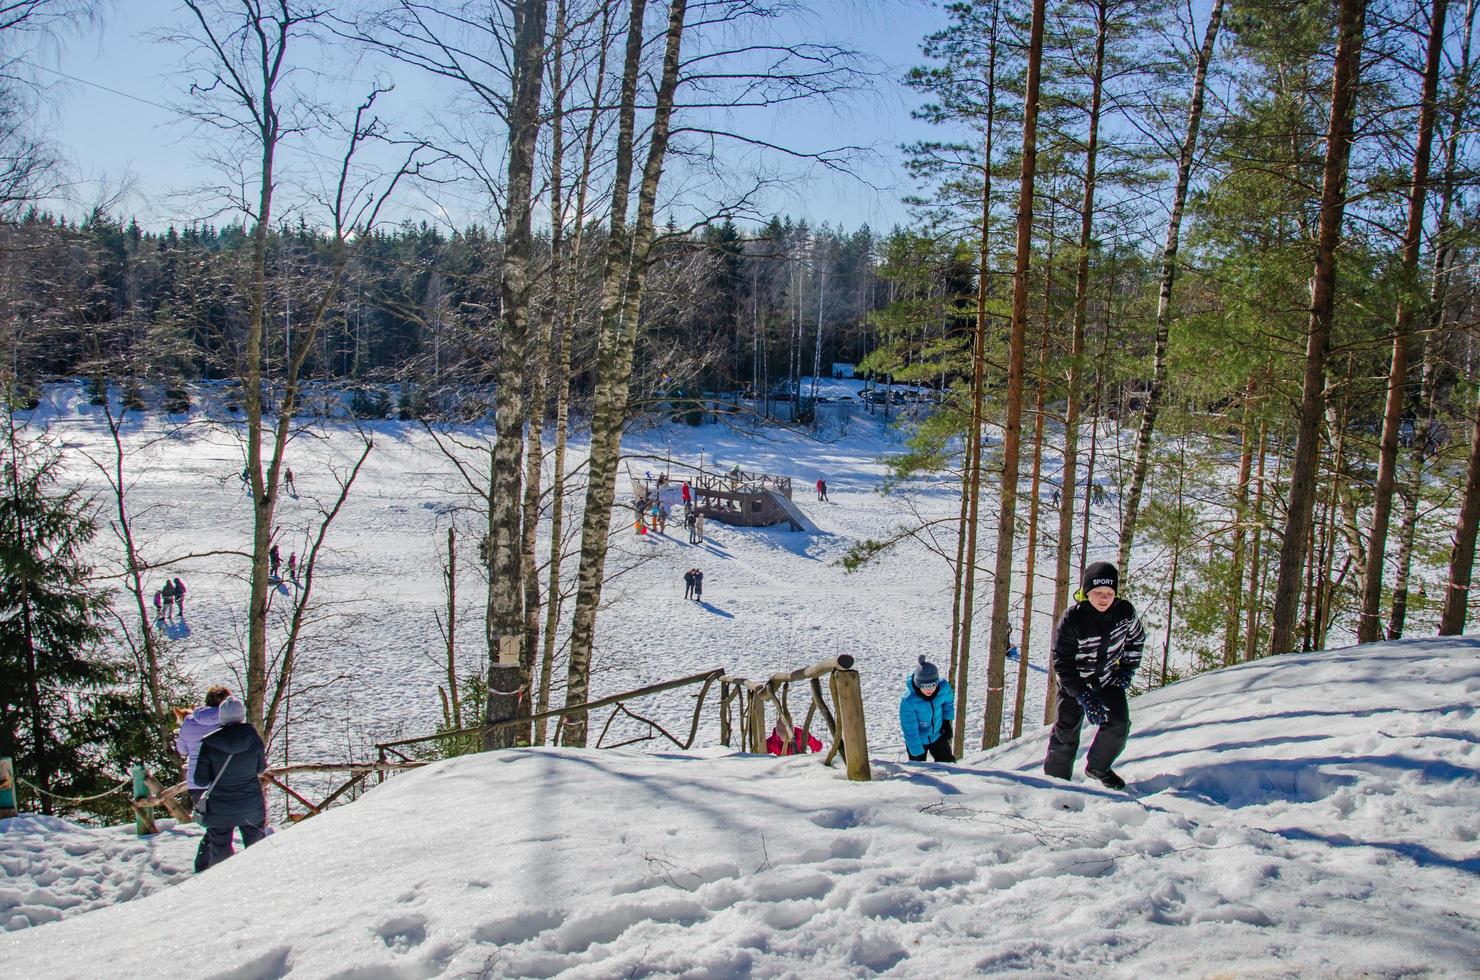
[1239, 783]
[1419, 854]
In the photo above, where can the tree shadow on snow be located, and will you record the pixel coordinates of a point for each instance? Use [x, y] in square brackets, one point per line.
[1245, 719]
[1253, 782]
[1420, 855]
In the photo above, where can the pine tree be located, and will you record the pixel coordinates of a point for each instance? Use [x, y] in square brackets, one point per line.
[51, 671]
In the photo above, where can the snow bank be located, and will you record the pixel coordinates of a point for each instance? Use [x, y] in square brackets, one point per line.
[1300, 816]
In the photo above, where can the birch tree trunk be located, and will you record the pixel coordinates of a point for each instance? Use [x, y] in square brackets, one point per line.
[621, 299]
[1152, 404]
[1012, 426]
[1318, 333]
[563, 336]
[505, 614]
[1369, 622]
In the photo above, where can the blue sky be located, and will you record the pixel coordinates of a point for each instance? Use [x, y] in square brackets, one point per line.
[110, 116]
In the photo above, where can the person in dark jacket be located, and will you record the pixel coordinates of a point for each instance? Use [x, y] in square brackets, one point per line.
[169, 600]
[1096, 652]
[698, 585]
[230, 760]
[194, 728]
[180, 598]
[688, 584]
[274, 560]
[926, 713]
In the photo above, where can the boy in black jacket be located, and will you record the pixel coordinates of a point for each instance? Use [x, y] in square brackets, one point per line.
[1096, 652]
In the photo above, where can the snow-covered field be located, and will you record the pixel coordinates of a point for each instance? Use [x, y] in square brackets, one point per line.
[369, 663]
[1300, 816]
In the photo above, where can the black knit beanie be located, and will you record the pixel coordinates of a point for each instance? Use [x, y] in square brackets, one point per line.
[1100, 574]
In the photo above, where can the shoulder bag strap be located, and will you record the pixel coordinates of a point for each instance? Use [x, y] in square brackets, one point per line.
[207, 794]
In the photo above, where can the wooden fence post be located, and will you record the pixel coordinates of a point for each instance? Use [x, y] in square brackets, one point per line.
[848, 692]
[724, 713]
[7, 788]
[143, 815]
[757, 723]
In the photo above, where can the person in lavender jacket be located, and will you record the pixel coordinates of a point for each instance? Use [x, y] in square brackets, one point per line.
[193, 729]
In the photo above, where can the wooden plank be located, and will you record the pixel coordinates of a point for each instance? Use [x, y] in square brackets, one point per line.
[169, 798]
[291, 792]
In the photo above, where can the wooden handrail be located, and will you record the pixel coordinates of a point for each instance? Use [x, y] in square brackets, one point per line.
[710, 676]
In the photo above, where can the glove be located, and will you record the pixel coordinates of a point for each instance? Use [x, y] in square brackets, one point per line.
[918, 758]
[945, 728]
[1094, 708]
[1124, 674]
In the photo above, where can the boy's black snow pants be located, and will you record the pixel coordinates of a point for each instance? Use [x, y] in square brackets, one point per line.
[1109, 742]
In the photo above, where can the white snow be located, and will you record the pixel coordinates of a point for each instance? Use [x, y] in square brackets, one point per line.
[1312, 815]
[1304, 815]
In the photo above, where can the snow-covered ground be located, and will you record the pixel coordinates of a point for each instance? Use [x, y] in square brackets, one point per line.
[1300, 816]
[368, 666]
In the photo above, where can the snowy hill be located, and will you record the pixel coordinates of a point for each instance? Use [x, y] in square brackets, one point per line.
[1300, 816]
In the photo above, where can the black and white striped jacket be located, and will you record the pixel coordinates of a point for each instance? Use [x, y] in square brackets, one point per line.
[1090, 647]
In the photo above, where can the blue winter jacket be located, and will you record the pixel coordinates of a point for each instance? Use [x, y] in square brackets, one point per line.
[920, 718]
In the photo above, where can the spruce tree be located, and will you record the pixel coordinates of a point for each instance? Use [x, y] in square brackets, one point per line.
[53, 677]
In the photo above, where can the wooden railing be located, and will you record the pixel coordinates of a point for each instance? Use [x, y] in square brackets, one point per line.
[843, 721]
[175, 799]
[742, 482]
[846, 727]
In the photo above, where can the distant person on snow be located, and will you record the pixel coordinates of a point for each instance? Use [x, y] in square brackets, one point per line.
[288, 481]
[822, 490]
[1096, 652]
[688, 584]
[230, 760]
[293, 565]
[698, 586]
[925, 714]
[159, 605]
[799, 742]
[687, 494]
[169, 600]
[194, 727]
[698, 536]
[274, 560]
[180, 598]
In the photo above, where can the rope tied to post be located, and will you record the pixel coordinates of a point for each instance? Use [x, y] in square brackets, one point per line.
[73, 799]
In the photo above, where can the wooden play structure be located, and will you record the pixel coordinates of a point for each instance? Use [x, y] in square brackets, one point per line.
[733, 497]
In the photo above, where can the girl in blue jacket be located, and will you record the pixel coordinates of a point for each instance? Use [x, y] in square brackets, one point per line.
[925, 714]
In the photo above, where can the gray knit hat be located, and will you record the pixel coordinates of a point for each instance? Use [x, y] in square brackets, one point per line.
[926, 673]
[231, 712]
